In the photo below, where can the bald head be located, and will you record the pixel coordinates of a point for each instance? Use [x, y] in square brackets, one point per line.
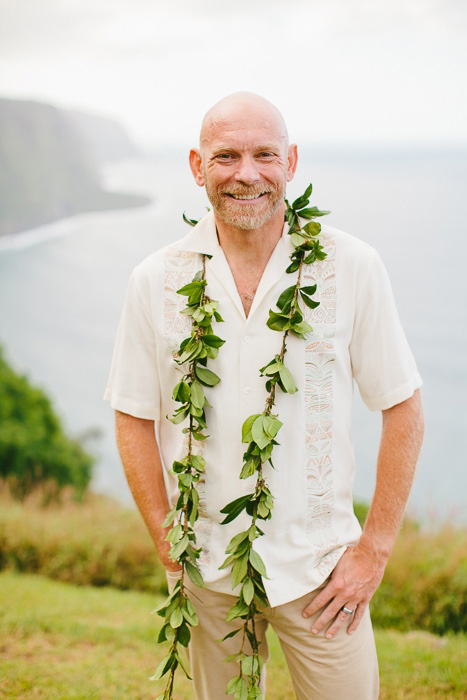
[240, 110]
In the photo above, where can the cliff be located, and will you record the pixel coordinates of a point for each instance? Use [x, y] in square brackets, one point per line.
[50, 164]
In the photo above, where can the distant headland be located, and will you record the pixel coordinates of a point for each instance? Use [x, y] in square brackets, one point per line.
[50, 162]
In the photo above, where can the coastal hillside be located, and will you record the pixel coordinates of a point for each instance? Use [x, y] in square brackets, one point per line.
[50, 164]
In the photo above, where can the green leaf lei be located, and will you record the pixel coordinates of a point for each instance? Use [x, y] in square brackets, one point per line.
[258, 432]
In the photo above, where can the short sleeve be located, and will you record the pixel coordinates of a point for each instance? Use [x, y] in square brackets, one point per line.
[133, 385]
[382, 363]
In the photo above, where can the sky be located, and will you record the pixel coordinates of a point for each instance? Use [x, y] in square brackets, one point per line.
[341, 71]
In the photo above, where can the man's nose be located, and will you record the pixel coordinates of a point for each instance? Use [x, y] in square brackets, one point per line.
[247, 171]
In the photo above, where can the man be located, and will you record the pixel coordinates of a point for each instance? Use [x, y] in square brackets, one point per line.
[322, 569]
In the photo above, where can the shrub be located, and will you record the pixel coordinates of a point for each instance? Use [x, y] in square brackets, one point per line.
[96, 542]
[33, 446]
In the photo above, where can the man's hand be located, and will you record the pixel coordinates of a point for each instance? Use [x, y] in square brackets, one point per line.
[354, 580]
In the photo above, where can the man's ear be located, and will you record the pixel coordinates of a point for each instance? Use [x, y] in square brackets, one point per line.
[292, 159]
[196, 167]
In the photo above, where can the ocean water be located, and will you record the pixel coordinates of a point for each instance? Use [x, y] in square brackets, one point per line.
[62, 287]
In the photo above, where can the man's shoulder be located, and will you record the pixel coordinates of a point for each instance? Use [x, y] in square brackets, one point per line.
[347, 241]
[350, 249]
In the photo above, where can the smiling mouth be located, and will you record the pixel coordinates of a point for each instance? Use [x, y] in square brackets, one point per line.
[245, 197]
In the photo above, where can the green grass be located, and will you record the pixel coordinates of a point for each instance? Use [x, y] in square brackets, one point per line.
[62, 641]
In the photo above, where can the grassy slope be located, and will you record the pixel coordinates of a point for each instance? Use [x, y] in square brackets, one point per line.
[64, 641]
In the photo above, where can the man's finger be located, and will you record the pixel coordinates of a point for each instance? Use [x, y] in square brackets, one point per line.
[342, 618]
[327, 616]
[357, 617]
[320, 601]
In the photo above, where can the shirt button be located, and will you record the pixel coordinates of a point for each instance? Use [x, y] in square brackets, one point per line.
[246, 339]
[247, 390]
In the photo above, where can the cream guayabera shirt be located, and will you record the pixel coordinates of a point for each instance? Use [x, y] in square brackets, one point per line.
[356, 335]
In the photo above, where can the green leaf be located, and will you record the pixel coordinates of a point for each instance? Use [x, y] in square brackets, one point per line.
[297, 239]
[249, 467]
[191, 287]
[285, 297]
[271, 425]
[312, 212]
[257, 563]
[287, 381]
[294, 265]
[194, 506]
[259, 436]
[177, 656]
[185, 480]
[241, 692]
[163, 667]
[304, 199]
[310, 290]
[312, 229]
[190, 352]
[249, 665]
[179, 548]
[198, 462]
[170, 517]
[230, 634]
[174, 534]
[176, 618]
[240, 608]
[184, 636]
[235, 508]
[213, 341]
[246, 427]
[205, 376]
[277, 322]
[190, 222]
[197, 394]
[309, 302]
[190, 616]
[239, 570]
[248, 591]
[233, 685]
[301, 328]
[179, 417]
[235, 541]
[194, 574]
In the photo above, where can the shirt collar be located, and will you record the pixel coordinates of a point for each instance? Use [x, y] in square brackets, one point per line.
[203, 237]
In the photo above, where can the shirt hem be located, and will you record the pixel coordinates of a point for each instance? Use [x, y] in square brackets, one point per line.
[136, 410]
[395, 396]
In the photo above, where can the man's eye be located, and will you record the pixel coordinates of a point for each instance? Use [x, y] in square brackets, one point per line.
[266, 154]
[225, 156]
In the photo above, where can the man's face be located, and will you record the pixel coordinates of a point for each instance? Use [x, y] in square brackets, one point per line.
[245, 170]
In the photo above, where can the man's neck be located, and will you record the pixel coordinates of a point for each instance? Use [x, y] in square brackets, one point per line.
[253, 248]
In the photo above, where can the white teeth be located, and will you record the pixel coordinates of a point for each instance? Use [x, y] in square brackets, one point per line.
[246, 196]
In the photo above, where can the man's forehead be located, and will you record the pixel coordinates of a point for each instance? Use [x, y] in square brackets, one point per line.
[225, 133]
[243, 112]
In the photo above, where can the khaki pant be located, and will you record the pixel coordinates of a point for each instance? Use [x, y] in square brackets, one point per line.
[342, 668]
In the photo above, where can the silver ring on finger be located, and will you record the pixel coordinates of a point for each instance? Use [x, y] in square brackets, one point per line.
[347, 611]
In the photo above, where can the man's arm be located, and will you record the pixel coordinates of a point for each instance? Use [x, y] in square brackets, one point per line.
[141, 461]
[359, 571]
